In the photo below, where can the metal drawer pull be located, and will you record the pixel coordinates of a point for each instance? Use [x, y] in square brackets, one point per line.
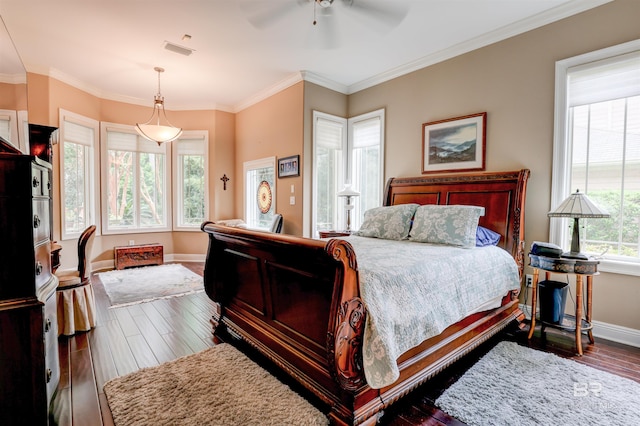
[36, 182]
[38, 268]
[49, 374]
[36, 221]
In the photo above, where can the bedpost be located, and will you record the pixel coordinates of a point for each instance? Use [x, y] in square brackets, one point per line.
[344, 341]
[518, 221]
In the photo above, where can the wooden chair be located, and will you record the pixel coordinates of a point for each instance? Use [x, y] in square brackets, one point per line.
[276, 224]
[75, 298]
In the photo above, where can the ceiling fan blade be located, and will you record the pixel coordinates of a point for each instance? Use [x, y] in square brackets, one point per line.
[263, 14]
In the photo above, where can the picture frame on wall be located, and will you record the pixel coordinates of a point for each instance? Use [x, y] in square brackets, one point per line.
[455, 144]
[289, 166]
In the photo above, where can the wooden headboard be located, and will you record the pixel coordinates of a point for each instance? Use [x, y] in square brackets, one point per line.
[502, 194]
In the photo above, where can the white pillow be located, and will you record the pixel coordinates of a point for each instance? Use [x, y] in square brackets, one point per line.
[388, 222]
[454, 225]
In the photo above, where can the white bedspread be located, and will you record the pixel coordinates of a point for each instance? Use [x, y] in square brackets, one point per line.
[419, 291]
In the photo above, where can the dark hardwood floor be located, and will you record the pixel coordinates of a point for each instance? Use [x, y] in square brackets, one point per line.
[144, 335]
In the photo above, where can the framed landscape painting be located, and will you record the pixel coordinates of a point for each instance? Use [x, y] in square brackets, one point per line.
[453, 145]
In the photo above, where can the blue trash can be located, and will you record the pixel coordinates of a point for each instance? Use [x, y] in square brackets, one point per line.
[553, 297]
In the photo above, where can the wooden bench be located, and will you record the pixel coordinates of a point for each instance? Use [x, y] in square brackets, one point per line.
[138, 255]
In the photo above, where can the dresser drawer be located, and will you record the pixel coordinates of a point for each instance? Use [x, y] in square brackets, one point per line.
[42, 266]
[41, 222]
[52, 369]
[40, 181]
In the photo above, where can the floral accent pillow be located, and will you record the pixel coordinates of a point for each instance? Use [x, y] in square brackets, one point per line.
[453, 225]
[389, 222]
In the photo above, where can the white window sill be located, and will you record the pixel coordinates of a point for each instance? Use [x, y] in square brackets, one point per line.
[619, 267]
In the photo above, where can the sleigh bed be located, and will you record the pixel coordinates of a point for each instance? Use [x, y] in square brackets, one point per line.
[298, 300]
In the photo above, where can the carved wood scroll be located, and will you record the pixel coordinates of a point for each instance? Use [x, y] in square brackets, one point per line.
[344, 343]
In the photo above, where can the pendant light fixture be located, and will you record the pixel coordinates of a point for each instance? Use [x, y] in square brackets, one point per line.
[152, 129]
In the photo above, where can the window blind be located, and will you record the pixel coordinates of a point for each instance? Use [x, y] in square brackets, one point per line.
[612, 78]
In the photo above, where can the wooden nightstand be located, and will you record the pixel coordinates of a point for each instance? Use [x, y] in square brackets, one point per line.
[332, 234]
[580, 268]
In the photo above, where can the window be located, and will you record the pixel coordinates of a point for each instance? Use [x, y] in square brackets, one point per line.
[346, 152]
[135, 182]
[9, 127]
[597, 150]
[259, 192]
[78, 168]
[191, 183]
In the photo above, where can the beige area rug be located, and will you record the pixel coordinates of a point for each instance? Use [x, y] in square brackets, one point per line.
[218, 386]
[137, 285]
[517, 386]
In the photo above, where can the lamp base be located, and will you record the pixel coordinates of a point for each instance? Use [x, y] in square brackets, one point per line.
[574, 255]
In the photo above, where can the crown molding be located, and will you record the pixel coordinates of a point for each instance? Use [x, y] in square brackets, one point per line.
[287, 82]
[563, 11]
[94, 91]
[325, 82]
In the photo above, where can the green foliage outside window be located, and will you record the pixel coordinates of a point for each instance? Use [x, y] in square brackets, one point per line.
[74, 183]
[193, 187]
[624, 226]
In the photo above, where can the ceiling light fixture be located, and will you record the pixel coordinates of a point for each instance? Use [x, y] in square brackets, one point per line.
[323, 4]
[157, 132]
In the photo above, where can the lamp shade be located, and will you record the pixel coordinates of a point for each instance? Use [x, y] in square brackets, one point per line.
[153, 130]
[348, 192]
[578, 205]
[158, 133]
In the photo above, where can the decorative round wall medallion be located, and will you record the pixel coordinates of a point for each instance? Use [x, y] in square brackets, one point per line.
[264, 196]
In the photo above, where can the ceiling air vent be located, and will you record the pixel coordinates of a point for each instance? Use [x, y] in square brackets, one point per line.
[178, 49]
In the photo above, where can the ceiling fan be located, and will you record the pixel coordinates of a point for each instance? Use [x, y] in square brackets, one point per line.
[376, 16]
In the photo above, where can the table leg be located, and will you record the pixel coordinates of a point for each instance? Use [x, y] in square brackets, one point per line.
[579, 314]
[588, 314]
[534, 301]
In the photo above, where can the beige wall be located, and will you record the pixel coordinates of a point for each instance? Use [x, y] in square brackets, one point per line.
[513, 81]
[13, 96]
[273, 127]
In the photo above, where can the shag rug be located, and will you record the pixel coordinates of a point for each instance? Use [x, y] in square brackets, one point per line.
[218, 386]
[136, 285]
[514, 385]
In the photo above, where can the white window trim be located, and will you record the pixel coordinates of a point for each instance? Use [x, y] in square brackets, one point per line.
[347, 147]
[23, 131]
[11, 116]
[104, 127]
[258, 164]
[347, 166]
[94, 200]
[560, 190]
[350, 125]
[177, 194]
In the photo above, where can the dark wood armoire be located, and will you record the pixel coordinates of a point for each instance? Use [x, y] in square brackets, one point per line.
[29, 365]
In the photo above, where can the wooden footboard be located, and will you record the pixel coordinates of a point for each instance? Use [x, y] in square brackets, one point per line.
[259, 281]
[297, 300]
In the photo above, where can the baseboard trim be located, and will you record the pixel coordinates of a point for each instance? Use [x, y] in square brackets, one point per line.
[613, 332]
[103, 265]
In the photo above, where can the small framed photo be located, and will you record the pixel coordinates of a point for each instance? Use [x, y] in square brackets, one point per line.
[456, 144]
[289, 166]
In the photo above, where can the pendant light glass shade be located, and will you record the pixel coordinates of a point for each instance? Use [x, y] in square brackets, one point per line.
[152, 129]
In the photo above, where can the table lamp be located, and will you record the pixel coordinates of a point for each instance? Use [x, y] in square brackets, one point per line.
[348, 192]
[577, 206]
